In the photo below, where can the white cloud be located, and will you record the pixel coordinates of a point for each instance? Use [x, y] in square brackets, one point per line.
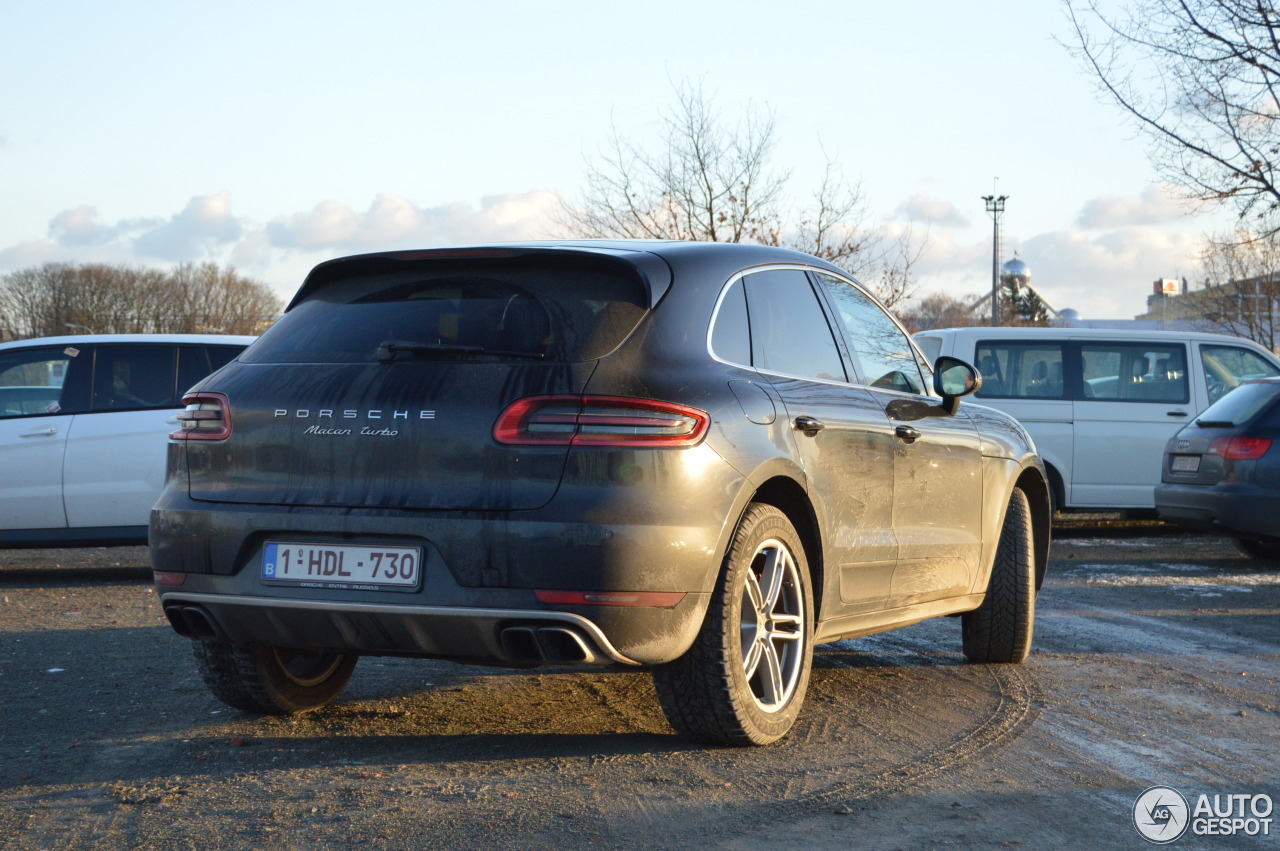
[1156, 205]
[393, 221]
[204, 225]
[934, 211]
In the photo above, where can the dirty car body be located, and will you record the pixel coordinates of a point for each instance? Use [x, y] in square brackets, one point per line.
[558, 452]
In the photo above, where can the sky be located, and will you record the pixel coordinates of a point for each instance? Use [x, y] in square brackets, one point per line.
[274, 135]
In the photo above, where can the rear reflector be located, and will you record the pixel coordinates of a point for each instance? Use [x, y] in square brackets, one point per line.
[599, 421]
[207, 417]
[1240, 448]
[652, 599]
[164, 577]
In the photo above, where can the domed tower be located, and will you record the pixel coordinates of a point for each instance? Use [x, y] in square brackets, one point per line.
[1015, 274]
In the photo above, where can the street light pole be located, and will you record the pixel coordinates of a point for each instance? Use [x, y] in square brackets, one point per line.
[995, 207]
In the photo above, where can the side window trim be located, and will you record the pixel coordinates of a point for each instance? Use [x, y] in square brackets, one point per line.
[837, 333]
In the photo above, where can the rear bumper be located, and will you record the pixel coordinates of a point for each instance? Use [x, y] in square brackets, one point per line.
[510, 636]
[477, 600]
[1236, 510]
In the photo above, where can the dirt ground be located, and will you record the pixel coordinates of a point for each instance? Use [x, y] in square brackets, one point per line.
[1155, 663]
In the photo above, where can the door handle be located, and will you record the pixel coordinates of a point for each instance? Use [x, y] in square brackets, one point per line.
[40, 432]
[906, 434]
[809, 426]
[1177, 413]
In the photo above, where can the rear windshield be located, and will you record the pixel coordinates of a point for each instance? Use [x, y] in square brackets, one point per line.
[563, 311]
[1240, 405]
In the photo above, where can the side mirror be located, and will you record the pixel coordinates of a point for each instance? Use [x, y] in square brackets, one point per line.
[953, 378]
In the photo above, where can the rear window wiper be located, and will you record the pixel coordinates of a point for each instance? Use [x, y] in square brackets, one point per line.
[1214, 423]
[388, 350]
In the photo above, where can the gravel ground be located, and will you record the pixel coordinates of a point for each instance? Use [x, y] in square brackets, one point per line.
[1155, 664]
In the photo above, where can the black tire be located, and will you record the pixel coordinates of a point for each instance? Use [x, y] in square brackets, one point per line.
[272, 680]
[1000, 629]
[744, 679]
[1260, 548]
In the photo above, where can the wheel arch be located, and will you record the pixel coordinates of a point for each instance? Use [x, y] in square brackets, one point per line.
[788, 496]
[1039, 491]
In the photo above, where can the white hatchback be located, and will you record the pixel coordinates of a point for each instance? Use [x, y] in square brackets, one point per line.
[84, 423]
[1101, 404]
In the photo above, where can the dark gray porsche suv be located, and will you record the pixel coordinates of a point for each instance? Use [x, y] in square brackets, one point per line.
[699, 458]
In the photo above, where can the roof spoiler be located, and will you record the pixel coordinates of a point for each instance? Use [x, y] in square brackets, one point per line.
[651, 269]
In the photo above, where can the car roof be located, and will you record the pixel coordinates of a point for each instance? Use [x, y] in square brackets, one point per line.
[1019, 332]
[87, 339]
[656, 261]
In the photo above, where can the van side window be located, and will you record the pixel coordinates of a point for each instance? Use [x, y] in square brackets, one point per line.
[41, 382]
[1134, 372]
[131, 377]
[1225, 367]
[1021, 370]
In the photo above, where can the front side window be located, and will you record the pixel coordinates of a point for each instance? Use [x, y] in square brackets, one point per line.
[1226, 367]
[789, 331]
[883, 351]
[1134, 372]
[34, 382]
[1020, 370]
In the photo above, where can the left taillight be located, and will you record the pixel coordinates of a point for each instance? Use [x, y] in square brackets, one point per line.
[609, 421]
[207, 417]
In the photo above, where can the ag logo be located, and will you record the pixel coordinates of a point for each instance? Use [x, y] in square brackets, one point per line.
[1161, 814]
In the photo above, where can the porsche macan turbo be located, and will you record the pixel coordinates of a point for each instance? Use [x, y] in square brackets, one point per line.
[702, 459]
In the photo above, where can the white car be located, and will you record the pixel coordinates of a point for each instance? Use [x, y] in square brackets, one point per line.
[84, 423]
[1101, 404]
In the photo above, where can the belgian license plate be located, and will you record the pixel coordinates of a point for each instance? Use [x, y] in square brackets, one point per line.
[1185, 463]
[343, 566]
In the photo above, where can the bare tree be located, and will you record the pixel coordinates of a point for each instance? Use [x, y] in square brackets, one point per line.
[1199, 79]
[939, 310]
[713, 182]
[1242, 292]
[193, 298]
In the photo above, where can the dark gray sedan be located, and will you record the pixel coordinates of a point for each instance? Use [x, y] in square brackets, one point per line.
[699, 458]
[1222, 471]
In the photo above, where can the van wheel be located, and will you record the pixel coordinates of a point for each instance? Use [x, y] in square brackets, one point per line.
[745, 678]
[272, 680]
[1000, 629]
[1263, 549]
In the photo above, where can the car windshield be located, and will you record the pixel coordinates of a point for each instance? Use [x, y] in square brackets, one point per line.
[1240, 405]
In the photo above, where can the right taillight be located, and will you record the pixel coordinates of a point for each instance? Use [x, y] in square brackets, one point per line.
[1240, 448]
[206, 417]
[612, 421]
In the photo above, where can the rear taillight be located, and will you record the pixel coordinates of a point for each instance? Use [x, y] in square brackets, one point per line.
[599, 421]
[1240, 448]
[207, 417]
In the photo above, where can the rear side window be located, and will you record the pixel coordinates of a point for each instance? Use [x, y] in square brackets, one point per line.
[731, 336]
[1134, 372]
[1021, 370]
[559, 311]
[789, 331]
[128, 377]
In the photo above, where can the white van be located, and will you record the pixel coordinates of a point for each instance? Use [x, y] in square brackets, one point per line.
[1101, 404]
